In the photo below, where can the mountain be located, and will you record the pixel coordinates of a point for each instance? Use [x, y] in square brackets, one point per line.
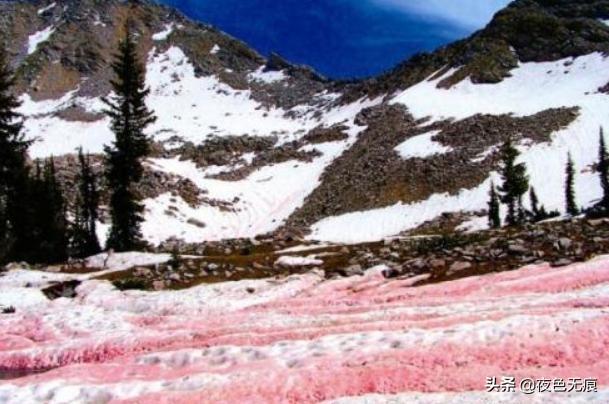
[246, 146]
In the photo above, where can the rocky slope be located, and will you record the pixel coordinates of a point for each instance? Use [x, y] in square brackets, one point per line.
[246, 146]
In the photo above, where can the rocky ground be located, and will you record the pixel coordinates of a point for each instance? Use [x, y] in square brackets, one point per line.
[441, 257]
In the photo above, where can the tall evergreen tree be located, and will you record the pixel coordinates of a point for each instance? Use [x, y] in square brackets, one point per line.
[494, 218]
[570, 203]
[130, 117]
[15, 218]
[515, 183]
[84, 229]
[50, 213]
[603, 170]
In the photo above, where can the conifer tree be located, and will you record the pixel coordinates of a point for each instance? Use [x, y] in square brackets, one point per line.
[15, 216]
[84, 230]
[515, 183]
[534, 200]
[603, 170]
[538, 210]
[571, 204]
[494, 219]
[50, 226]
[130, 117]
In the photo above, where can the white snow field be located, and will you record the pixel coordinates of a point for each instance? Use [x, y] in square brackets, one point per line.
[565, 83]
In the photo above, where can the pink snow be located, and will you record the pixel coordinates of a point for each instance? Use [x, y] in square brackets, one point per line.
[305, 340]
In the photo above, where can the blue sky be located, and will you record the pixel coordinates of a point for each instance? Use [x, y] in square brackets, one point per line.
[344, 38]
[469, 14]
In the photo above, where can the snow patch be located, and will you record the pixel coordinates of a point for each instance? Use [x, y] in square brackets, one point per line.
[292, 261]
[422, 146]
[377, 224]
[267, 77]
[163, 35]
[275, 339]
[39, 37]
[123, 261]
[563, 83]
[47, 8]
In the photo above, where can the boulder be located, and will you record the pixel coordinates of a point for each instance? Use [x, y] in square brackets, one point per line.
[158, 285]
[458, 267]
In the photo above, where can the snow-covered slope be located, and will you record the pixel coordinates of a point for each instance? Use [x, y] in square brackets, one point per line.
[533, 87]
[206, 85]
[194, 108]
[187, 106]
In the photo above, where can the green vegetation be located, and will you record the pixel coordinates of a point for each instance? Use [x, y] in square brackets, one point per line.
[130, 116]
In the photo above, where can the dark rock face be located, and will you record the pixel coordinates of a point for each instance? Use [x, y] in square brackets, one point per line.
[63, 289]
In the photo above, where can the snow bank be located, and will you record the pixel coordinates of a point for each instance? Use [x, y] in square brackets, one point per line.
[21, 287]
[302, 339]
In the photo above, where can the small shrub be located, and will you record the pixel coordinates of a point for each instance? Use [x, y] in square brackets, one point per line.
[8, 310]
[445, 242]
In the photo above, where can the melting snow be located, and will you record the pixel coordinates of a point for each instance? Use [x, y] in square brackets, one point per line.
[196, 107]
[191, 107]
[214, 50]
[260, 202]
